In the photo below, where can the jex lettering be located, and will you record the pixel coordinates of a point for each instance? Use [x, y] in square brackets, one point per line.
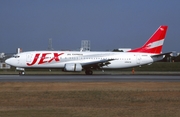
[43, 58]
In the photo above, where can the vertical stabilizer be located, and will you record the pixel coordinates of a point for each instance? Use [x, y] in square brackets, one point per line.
[155, 43]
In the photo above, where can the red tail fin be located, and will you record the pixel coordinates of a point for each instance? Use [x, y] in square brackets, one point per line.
[155, 42]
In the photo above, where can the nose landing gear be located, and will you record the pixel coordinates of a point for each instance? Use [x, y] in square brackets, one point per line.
[21, 70]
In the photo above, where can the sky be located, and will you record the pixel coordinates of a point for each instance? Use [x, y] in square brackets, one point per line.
[107, 24]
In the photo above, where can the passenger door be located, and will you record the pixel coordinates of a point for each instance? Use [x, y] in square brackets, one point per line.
[28, 58]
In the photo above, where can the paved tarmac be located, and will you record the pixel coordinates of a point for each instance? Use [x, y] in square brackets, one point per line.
[89, 78]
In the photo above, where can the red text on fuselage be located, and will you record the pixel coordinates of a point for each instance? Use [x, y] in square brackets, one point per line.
[43, 59]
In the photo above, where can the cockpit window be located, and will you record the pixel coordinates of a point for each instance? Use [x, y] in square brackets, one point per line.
[15, 56]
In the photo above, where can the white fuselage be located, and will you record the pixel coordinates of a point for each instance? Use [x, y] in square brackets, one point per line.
[58, 59]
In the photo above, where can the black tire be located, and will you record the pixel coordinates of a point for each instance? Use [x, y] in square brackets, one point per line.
[88, 72]
[21, 73]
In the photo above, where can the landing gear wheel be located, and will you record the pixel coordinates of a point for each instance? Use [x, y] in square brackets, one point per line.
[21, 73]
[88, 72]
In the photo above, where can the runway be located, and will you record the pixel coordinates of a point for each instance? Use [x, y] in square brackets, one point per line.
[91, 78]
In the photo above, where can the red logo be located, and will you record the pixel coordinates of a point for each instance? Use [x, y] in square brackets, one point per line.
[43, 58]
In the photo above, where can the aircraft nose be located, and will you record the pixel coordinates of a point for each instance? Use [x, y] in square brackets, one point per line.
[8, 61]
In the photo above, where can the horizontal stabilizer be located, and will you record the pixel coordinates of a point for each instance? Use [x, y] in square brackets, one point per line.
[167, 53]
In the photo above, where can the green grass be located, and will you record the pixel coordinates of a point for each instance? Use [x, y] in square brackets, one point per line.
[161, 66]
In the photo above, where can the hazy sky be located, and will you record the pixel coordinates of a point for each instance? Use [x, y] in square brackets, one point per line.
[108, 24]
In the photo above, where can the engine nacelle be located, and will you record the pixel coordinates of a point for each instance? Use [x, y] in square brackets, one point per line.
[73, 67]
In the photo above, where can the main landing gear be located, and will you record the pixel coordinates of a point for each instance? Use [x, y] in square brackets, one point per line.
[88, 72]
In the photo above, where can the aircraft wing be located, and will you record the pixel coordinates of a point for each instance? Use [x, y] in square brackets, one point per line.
[96, 64]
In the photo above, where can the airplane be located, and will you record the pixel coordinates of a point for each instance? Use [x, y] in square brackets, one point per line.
[77, 61]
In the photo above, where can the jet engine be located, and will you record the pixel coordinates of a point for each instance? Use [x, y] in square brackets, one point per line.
[73, 67]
